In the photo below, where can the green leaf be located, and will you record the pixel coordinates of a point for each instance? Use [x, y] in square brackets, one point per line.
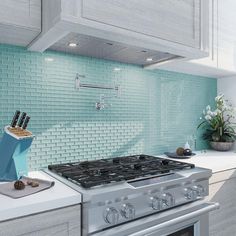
[201, 124]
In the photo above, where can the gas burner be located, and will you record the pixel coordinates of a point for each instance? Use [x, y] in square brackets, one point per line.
[117, 192]
[106, 171]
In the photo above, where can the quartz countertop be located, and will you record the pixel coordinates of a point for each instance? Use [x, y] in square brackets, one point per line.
[216, 161]
[58, 196]
[222, 164]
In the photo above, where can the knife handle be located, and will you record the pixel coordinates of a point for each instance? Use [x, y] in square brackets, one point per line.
[15, 119]
[26, 122]
[22, 118]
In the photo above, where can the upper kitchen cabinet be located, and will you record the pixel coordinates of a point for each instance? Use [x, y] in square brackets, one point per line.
[20, 21]
[127, 31]
[221, 61]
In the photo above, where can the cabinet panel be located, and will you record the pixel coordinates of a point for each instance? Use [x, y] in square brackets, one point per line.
[223, 221]
[61, 222]
[176, 21]
[227, 34]
[25, 13]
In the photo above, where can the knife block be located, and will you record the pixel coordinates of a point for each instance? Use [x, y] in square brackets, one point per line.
[14, 147]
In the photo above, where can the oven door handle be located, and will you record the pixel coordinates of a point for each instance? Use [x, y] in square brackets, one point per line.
[211, 206]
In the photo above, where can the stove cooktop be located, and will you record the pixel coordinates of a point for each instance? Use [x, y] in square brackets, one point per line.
[106, 171]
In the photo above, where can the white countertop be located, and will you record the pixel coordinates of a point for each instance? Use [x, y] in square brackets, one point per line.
[56, 197]
[216, 161]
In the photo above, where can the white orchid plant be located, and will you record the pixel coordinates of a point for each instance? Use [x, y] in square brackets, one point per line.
[218, 123]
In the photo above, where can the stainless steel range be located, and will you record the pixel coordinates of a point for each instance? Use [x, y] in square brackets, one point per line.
[139, 195]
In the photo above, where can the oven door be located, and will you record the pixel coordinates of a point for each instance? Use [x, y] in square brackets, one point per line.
[187, 220]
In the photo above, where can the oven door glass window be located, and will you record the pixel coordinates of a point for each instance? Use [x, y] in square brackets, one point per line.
[184, 232]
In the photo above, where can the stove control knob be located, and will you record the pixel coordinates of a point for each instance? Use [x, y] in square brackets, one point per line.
[199, 190]
[167, 200]
[156, 203]
[111, 215]
[128, 211]
[190, 194]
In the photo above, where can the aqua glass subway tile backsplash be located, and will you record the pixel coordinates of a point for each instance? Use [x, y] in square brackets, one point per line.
[155, 112]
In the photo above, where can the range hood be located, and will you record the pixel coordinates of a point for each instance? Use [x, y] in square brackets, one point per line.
[63, 22]
[110, 50]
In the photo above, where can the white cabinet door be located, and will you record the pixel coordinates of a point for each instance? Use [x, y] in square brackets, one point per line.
[26, 13]
[227, 34]
[61, 222]
[173, 20]
[212, 59]
[20, 21]
[223, 221]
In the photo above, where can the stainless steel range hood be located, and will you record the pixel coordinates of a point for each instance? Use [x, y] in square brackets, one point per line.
[110, 50]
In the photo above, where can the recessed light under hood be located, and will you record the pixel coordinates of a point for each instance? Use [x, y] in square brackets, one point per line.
[109, 50]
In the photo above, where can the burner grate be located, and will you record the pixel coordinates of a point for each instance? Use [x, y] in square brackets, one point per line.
[105, 171]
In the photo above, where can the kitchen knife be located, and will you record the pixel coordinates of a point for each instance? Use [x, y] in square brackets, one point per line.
[22, 118]
[15, 119]
[26, 122]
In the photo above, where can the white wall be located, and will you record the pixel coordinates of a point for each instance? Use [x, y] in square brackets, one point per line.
[227, 86]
